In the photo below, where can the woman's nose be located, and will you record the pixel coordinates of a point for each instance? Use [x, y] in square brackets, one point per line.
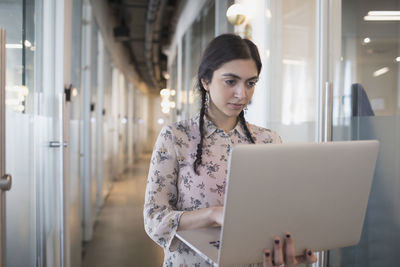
[240, 91]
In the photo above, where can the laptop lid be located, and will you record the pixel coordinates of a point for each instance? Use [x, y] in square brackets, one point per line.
[318, 192]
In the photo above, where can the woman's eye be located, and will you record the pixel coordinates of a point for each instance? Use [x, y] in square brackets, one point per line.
[251, 83]
[230, 82]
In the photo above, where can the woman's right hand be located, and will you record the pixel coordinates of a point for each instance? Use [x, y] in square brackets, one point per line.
[206, 217]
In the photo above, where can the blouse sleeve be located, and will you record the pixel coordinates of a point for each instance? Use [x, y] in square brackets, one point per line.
[161, 218]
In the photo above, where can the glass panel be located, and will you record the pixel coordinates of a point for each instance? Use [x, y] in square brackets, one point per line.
[290, 70]
[173, 84]
[203, 31]
[17, 17]
[366, 106]
[74, 179]
[196, 39]
[185, 65]
[222, 24]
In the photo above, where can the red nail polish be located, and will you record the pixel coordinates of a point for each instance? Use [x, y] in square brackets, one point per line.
[266, 254]
[309, 253]
[277, 242]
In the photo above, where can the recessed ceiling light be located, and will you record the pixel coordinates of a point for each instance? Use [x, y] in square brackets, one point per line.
[380, 71]
[382, 16]
[383, 13]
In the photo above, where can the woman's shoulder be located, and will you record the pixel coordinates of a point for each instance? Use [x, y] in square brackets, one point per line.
[187, 127]
[264, 135]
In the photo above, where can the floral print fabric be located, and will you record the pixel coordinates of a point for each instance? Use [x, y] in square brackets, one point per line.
[173, 187]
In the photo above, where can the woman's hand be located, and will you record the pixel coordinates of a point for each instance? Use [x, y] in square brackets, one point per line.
[206, 217]
[284, 255]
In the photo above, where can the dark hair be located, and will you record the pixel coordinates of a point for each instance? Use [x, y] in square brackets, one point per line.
[220, 50]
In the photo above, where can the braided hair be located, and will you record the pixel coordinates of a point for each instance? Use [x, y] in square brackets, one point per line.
[220, 50]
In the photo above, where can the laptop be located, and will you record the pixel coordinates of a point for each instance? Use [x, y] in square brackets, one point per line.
[316, 191]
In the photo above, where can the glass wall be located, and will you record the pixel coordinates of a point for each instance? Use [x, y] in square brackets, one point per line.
[72, 176]
[17, 17]
[286, 93]
[366, 106]
[194, 41]
[201, 33]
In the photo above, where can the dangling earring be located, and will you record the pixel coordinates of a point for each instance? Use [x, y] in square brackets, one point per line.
[207, 101]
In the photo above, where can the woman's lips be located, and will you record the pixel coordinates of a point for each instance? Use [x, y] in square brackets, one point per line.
[236, 106]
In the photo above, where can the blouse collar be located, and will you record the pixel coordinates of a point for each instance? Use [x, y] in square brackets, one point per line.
[211, 128]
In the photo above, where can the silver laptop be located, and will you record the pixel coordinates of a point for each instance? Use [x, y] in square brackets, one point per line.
[318, 192]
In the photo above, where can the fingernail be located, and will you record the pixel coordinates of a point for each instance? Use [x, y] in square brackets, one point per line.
[309, 253]
[277, 241]
[266, 254]
[288, 236]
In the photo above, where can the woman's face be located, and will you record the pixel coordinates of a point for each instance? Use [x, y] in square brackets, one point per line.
[231, 87]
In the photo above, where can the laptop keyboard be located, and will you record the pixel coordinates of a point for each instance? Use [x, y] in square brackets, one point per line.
[215, 244]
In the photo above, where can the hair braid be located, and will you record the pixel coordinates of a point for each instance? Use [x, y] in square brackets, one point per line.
[199, 152]
[244, 125]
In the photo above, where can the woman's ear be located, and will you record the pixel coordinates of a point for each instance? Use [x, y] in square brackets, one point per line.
[204, 83]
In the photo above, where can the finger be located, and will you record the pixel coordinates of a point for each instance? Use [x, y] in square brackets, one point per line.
[308, 257]
[267, 258]
[278, 252]
[290, 255]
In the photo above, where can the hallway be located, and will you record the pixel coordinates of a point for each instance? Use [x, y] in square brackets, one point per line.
[119, 238]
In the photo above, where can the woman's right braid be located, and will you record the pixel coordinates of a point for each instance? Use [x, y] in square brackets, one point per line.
[199, 152]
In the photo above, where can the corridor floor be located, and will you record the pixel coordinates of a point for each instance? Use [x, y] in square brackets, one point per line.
[119, 239]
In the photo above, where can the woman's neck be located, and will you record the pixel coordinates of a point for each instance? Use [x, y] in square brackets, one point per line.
[222, 121]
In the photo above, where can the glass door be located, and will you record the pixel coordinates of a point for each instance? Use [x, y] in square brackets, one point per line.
[364, 63]
[5, 180]
[16, 17]
[34, 93]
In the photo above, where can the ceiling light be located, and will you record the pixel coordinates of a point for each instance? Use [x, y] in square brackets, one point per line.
[165, 92]
[382, 18]
[398, 59]
[236, 14]
[379, 15]
[27, 43]
[14, 46]
[383, 13]
[367, 40]
[380, 71]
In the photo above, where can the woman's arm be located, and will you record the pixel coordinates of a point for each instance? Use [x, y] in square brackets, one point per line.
[207, 217]
[161, 217]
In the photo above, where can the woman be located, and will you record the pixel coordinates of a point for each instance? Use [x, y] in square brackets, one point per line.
[188, 169]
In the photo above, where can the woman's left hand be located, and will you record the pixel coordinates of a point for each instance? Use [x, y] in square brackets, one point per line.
[283, 254]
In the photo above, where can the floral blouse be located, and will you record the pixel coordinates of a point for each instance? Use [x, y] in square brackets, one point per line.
[173, 187]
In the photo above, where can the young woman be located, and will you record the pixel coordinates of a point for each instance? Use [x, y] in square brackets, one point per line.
[187, 176]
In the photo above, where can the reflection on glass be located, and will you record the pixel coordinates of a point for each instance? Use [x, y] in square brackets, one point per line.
[291, 57]
[366, 106]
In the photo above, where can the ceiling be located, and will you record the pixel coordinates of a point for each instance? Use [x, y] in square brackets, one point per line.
[146, 27]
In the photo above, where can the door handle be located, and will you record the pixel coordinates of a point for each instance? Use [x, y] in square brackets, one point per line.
[57, 144]
[5, 182]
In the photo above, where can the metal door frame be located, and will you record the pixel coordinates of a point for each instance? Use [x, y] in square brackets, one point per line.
[2, 144]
